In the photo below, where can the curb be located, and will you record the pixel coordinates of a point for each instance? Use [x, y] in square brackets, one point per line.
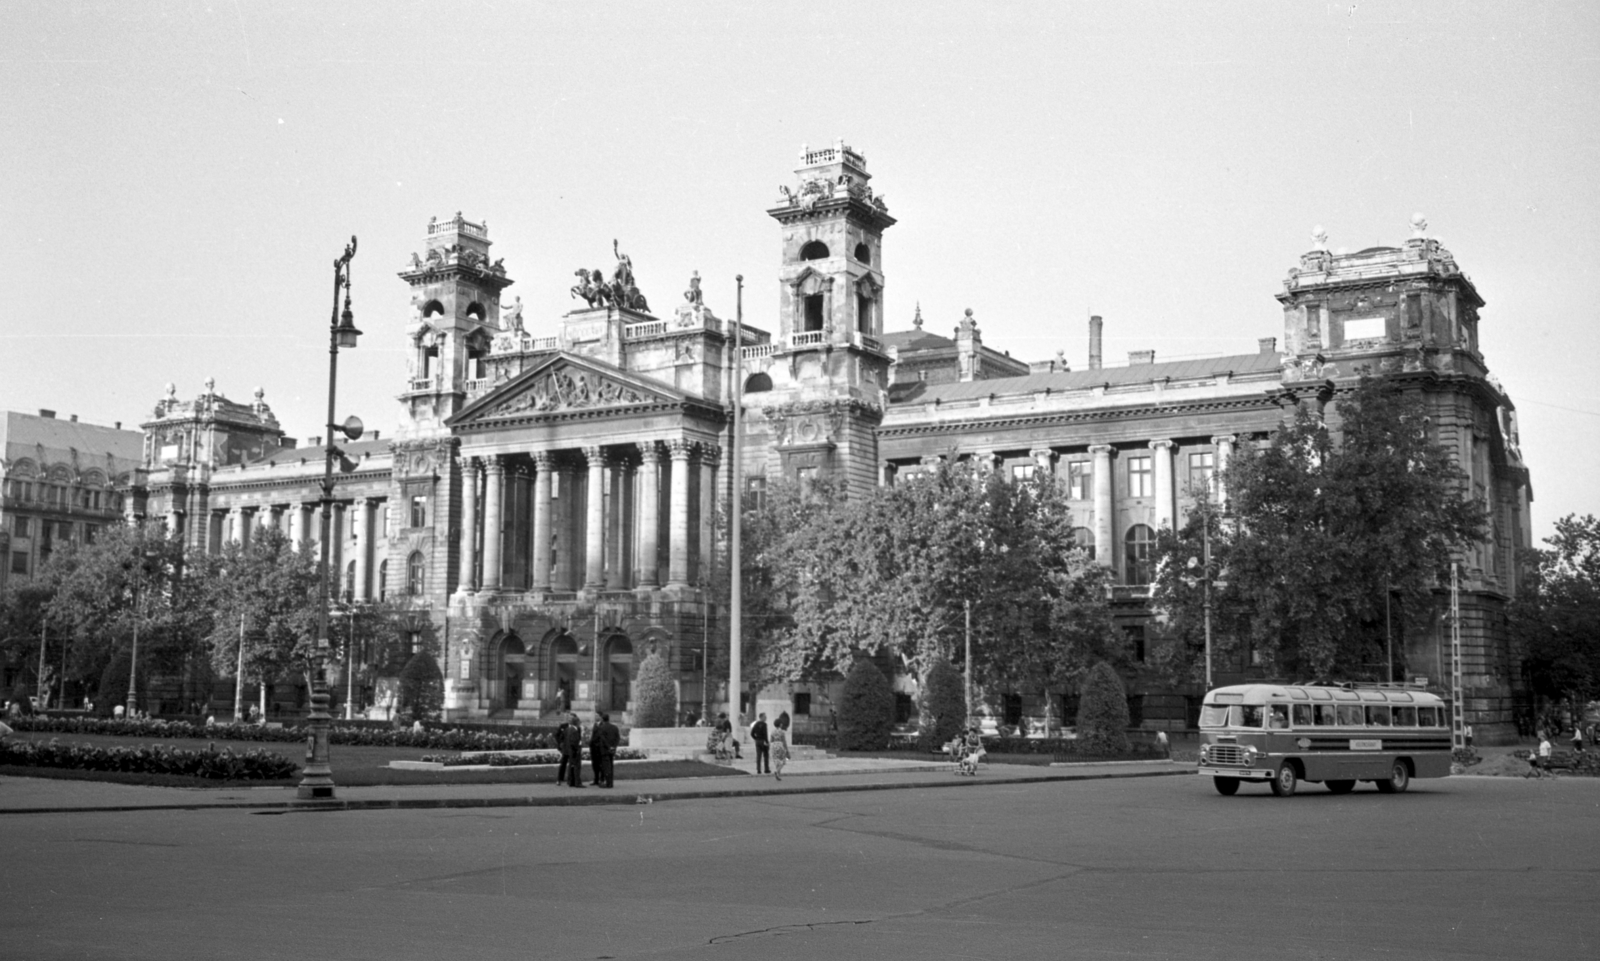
[581, 800]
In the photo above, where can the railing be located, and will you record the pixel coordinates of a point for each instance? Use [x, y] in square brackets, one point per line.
[649, 328]
[477, 385]
[546, 343]
[424, 383]
[807, 338]
[458, 224]
[870, 343]
[758, 351]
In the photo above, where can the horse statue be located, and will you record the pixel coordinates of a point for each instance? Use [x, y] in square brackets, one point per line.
[591, 287]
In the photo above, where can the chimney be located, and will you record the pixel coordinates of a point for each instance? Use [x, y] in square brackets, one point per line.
[117, 424]
[314, 441]
[73, 417]
[374, 435]
[1095, 323]
[1137, 357]
[287, 443]
[48, 414]
[1268, 345]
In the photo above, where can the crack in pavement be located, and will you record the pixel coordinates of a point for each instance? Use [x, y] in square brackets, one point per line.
[782, 929]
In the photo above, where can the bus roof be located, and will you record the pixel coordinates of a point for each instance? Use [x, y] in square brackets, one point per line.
[1282, 693]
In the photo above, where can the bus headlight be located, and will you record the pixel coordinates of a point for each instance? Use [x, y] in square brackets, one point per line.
[1250, 757]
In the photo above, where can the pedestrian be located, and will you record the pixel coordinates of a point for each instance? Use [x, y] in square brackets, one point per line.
[1577, 738]
[561, 748]
[609, 738]
[1544, 751]
[597, 752]
[725, 729]
[574, 742]
[118, 711]
[1469, 735]
[1163, 744]
[758, 737]
[780, 745]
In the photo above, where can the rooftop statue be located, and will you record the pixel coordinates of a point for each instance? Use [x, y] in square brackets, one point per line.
[624, 292]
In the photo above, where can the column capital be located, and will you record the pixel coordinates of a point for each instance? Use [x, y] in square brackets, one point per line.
[932, 460]
[1160, 444]
[359, 502]
[710, 454]
[650, 451]
[1222, 439]
[679, 449]
[544, 461]
[983, 459]
[1100, 448]
[1044, 455]
[596, 456]
[494, 464]
[468, 462]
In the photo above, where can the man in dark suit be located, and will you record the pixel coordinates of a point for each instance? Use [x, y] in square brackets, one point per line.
[597, 751]
[758, 735]
[574, 743]
[561, 746]
[603, 745]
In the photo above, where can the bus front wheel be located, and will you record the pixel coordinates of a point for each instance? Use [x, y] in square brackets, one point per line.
[1341, 787]
[1286, 780]
[1228, 786]
[1398, 780]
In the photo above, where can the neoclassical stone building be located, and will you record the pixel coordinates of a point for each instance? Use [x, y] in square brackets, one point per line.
[547, 508]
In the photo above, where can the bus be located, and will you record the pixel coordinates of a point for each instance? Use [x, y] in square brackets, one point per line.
[1336, 734]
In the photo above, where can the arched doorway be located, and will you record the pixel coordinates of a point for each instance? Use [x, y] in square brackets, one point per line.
[619, 672]
[513, 668]
[563, 683]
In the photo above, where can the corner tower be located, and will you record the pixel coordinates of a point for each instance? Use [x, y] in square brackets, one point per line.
[455, 313]
[828, 368]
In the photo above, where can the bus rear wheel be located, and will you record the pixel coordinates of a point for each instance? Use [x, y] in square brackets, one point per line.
[1227, 786]
[1286, 780]
[1341, 787]
[1398, 780]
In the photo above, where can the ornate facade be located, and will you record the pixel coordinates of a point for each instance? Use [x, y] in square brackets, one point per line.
[548, 505]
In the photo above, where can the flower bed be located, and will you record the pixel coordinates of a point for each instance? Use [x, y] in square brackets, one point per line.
[449, 739]
[223, 765]
[1062, 748]
[522, 759]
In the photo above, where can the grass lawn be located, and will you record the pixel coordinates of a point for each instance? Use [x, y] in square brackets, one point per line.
[1033, 760]
[353, 766]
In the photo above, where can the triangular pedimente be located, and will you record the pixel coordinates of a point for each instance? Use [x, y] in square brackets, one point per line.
[565, 384]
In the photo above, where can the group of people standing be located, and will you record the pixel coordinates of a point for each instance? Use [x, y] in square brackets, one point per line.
[604, 737]
[772, 744]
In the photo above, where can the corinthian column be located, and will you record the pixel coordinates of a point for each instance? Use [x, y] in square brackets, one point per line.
[616, 474]
[1164, 501]
[363, 547]
[710, 454]
[466, 579]
[1102, 504]
[595, 546]
[678, 547]
[543, 464]
[493, 521]
[649, 513]
[1224, 444]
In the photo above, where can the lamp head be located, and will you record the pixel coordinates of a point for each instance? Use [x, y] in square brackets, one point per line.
[352, 427]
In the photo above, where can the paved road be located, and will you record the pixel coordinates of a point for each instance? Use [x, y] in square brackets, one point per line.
[1141, 868]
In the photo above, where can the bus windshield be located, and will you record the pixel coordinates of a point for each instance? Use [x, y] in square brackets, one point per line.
[1231, 715]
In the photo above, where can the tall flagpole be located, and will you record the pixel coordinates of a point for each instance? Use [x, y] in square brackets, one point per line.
[736, 505]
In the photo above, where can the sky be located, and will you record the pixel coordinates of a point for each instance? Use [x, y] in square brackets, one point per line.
[177, 178]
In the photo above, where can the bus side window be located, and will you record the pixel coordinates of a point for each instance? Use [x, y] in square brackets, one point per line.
[1279, 717]
[1326, 716]
[1427, 717]
[1252, 715]
[1350, 716]
[1378, 715]
[1302, 715]
[1405, 717]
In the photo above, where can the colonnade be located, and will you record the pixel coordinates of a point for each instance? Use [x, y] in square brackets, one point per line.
[615, 517]
[301, 524]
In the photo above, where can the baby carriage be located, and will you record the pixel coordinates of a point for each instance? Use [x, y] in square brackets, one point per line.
[967, 752]
[717, 744]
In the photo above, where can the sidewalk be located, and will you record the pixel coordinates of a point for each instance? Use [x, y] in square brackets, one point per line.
[22, 795]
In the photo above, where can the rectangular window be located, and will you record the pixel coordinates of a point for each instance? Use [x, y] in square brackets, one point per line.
[1201, 467]
[1080, 480]
[1350, 716]
[1134, 634]
[802, 703]
[755, 493]
[1023, 471]
[1405, 717]
[89, 531]
[1326, 716]
[1377, 715]
[806, 477]
[19, 562]
[419, 510]
[20, 526]
[1141, 478]
[1302, 715]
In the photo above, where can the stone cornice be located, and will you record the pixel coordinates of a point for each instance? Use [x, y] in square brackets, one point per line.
[1055, 418]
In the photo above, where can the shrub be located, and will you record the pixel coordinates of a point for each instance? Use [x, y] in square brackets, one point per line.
[1103, 712]
[223, 765]
[655, 698]
[866, 714]
[113, 688]
[421, 688]
[944, 706]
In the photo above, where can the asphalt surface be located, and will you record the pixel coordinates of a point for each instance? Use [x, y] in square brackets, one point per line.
[1122, 867]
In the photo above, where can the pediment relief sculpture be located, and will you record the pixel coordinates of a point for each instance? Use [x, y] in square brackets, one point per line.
[568, 389]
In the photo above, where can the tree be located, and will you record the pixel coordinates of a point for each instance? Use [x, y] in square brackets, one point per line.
[1325, 525]
[1556, 617]
[421, 688]
[275, 590]
[655, 701]
[943, 707]
[866, 711]
[1103, 712]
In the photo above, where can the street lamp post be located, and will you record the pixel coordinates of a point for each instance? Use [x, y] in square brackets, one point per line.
[1207, 575]
[146, 560]
[317, 782]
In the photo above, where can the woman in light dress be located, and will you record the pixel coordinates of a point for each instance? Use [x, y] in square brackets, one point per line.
[780, 744]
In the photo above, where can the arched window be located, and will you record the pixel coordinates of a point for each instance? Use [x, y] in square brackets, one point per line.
[432, 307]
[864, 253]
[1084, 538]
[1139, 543]
[476, 312]
[814, 250]
[414, 574]
[756, 383]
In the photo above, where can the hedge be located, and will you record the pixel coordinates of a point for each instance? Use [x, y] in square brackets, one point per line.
[655, 701]
[1103, 711]
[1064, 748]
[524, 760]
[866, 708]
[944, 704]
[360, 736]
[211, 764]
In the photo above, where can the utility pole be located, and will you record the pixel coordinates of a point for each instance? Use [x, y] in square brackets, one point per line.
[736, 599]
[1458, 723]
[967, 663]
[238, 678]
